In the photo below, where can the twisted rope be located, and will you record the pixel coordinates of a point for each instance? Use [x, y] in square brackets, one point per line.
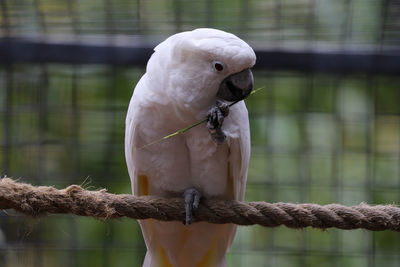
[74, 199]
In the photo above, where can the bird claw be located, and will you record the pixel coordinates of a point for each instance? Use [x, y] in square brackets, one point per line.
[192, 201]
[215, 118]
[224, 107]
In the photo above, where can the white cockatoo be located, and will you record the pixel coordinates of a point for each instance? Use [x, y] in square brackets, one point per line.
[190, 76]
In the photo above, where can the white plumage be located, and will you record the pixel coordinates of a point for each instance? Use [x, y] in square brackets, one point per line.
[178, 89]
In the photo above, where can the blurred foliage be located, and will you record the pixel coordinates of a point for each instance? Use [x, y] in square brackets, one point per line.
[284, 22]
[318, 138]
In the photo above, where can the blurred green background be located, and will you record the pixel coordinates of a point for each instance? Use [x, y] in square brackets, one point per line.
[320, 138]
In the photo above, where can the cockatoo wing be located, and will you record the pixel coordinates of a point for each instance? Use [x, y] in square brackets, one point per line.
[130, 130]
[132, 141]
[239, 148]
[140, 183]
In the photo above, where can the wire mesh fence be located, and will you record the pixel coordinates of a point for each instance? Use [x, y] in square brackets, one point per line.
[316, 137]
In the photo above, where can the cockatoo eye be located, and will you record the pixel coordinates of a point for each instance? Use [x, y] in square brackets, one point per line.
[218, 65]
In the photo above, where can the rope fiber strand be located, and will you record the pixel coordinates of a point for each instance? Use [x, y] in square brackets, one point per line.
[42, 200]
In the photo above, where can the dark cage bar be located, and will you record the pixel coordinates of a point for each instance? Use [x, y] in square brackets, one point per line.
[326, 128]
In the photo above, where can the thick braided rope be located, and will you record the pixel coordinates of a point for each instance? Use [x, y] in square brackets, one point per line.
[74, 199]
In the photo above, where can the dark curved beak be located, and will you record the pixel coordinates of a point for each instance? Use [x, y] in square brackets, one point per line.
[236, 86]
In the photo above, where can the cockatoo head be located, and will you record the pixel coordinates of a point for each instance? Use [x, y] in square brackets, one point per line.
[196, 68]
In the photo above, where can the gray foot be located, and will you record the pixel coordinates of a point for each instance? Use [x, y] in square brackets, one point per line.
[192, 200]
[216, 117]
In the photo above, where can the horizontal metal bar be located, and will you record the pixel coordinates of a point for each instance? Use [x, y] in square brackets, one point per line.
[341, 62]
[28, 51]
[352, 61]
